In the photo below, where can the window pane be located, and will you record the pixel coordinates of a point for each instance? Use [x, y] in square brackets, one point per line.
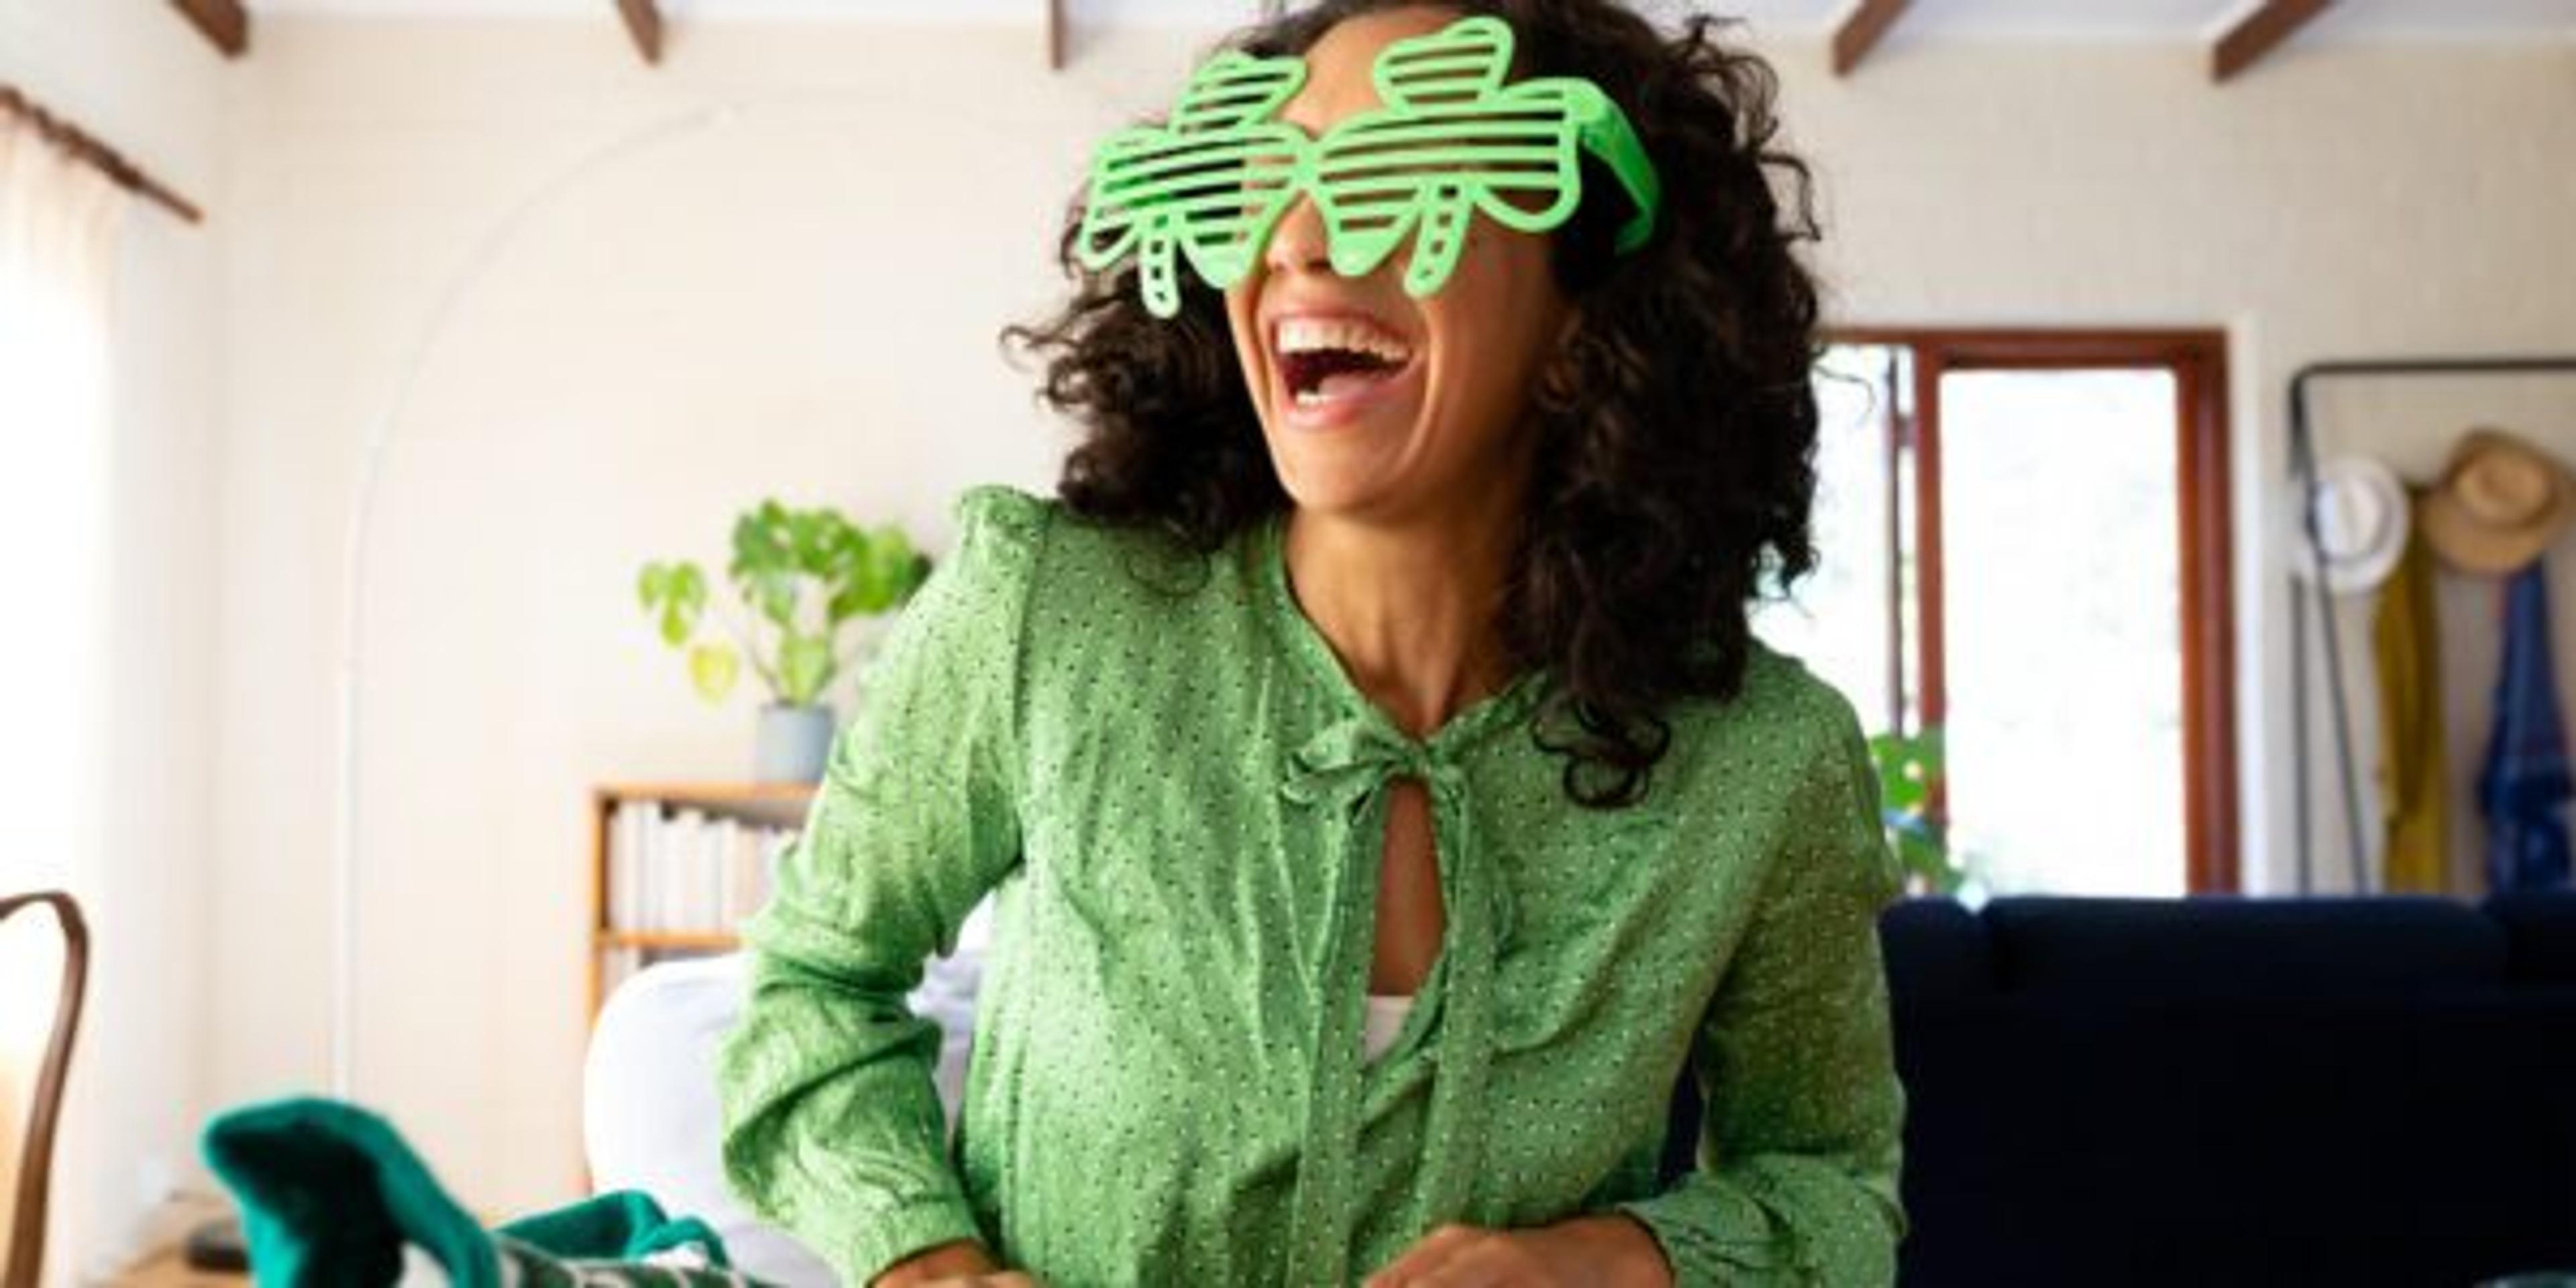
[2062, 607]
[1836, 620]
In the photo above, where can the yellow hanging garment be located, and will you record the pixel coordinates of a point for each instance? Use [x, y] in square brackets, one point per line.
[2414, 784]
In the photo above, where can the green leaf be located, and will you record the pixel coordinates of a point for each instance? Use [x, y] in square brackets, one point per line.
[1909, 770]
[804, 667]
[850, 598]
[683, 599]
[845, 567]
[847, 552]
[864, 587]
[1904, 791]
[781, 559]
[773, 595]
[819, 537]
[713, 668]
[760, 543]
[888, 571]
[797, 536]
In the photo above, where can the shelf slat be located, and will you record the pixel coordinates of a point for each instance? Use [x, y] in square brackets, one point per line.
[715, 939]
[705, 791]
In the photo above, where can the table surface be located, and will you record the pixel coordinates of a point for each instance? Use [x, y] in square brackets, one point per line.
[169, 1268]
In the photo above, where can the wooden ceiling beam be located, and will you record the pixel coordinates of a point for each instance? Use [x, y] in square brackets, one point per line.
[1860, 31]
[224, 22]
[2258, 33]
[644, 23]
[80, 143]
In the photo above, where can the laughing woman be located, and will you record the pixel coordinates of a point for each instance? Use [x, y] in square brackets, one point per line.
[1384, 798]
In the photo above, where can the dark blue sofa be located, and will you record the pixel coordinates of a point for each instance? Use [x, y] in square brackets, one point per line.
[2236, 1091]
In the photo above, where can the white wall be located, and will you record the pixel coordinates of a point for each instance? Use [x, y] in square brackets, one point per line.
[2345, 201]
[802, 302]
[141, 79]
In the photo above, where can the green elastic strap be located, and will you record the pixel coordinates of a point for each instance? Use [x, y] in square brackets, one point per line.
[1450, 140]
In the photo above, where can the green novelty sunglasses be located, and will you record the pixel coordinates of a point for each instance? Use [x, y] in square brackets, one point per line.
[1450, 141]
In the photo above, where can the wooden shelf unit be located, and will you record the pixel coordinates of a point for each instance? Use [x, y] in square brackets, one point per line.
[771, 804]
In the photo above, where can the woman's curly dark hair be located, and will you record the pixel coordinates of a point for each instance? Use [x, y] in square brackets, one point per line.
[1677, 425]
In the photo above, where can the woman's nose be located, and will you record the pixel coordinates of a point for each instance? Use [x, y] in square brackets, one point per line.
[1297, 242]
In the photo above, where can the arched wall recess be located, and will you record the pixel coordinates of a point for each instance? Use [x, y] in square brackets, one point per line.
[473, 281]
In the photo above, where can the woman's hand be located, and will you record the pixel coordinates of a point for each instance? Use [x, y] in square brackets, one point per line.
[1586, 1252]
[951, 1265]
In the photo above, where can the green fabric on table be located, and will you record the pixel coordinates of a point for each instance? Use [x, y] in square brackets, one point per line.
[330, 1194]
[626, 1225]
[1158, 767]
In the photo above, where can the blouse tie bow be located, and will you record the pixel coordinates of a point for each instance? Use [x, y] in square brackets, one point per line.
[1342, 773]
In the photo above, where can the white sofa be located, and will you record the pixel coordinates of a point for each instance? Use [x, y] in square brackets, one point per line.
[649, 1108]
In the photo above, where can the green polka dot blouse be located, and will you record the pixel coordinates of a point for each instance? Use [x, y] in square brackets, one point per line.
[1175, 794]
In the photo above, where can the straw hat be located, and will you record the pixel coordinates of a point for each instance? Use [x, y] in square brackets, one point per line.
[2500, 502]
[2361, 524]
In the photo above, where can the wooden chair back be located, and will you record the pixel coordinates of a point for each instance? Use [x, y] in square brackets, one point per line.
[27, 1213]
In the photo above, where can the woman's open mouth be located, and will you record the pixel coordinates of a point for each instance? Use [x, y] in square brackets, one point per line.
[1332, 367]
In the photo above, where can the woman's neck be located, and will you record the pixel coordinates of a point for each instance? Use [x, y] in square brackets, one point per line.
[1412, 612]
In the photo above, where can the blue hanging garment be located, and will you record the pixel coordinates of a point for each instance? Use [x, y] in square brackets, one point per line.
[2524, 785]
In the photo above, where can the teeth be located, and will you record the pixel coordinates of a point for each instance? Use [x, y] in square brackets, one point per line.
[1308, 335]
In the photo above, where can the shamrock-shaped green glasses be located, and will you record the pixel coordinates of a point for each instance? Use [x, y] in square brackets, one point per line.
[1450, 140]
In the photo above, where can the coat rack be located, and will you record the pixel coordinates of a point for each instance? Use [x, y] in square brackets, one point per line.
[2303, 467]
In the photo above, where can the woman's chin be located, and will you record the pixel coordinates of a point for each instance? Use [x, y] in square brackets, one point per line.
[1353, 490]
[1338, 452]
[1346, 468]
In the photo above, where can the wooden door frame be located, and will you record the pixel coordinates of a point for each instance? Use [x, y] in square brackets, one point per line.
[2197, 357]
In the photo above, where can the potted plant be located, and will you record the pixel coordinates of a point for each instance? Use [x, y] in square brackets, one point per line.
[806, 579]
[1909, 766]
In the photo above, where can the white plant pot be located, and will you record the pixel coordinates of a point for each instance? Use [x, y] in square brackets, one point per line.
[792, 743]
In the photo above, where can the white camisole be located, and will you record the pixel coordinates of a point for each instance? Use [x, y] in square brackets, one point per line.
[1385, 1018]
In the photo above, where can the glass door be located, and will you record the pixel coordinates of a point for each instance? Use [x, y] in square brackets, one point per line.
[2024, 552]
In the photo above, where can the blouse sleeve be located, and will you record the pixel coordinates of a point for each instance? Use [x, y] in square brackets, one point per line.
[832, 1125]
[1799, 1149]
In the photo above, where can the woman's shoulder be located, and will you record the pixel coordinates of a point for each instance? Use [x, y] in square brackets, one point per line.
[1783, 720]
[1003, 512]
[1075, 559]
[1788, 747]
[992, 561]
[1778, 691]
